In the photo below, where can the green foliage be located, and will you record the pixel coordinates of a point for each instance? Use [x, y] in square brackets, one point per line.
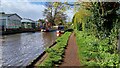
[69, 25]
[98, 41]
[96, 52]
[55, 54]
[80, 18]
[41, 20]
[102, 18]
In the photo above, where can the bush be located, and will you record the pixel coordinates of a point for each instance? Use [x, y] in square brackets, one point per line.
[95, 52]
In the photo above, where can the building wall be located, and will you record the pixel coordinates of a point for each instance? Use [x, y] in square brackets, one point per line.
[26, 25]
[14, 22]
[2, 24]
[10, 22]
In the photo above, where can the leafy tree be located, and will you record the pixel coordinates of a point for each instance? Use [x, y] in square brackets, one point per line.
[41, 20]
[55, 12]
[80, 18]
[103, 19]
[104, 16]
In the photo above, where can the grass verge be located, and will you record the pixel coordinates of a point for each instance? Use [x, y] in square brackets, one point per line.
[56, 53]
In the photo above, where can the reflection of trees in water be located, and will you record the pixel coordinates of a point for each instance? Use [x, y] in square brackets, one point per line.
[49, 38]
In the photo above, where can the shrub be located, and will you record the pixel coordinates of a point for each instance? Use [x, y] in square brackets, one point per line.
[95, 52]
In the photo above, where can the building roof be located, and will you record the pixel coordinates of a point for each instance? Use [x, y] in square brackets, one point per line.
[27, 20]
[8, 15]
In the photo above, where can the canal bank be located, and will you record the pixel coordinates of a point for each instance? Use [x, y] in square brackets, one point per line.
[21, 49]
[16, 31]
[40, 58]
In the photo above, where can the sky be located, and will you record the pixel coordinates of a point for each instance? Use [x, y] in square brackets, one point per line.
[28, 9]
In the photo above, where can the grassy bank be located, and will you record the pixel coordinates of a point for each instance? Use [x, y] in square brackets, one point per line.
[95, 52]
[56, 53]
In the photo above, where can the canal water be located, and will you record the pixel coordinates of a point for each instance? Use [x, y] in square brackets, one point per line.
[21, 49]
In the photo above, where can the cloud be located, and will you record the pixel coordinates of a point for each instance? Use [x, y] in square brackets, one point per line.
[24, 9]
[27, 9]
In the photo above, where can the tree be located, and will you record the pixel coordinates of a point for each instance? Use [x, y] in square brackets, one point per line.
[80, 18]
[55, 12]
[41, 20]
[107, 16]
[103, 19]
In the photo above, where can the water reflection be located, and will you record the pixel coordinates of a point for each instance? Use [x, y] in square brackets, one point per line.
[21, 49]
[48, 37]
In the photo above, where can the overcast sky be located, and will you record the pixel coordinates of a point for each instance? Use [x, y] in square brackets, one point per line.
[27, 9]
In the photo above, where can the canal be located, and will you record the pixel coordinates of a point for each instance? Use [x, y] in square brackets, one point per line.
[21, 49]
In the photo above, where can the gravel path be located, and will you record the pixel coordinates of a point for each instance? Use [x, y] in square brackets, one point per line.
[71, 55]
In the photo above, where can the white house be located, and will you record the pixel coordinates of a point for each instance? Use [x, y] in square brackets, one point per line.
[9, 21]
[28, 23]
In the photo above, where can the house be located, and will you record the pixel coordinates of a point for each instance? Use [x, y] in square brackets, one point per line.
[28, 23]
[9, 21]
